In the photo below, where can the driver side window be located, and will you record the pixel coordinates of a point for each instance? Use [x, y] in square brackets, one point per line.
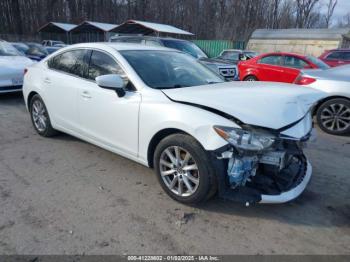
[103, 64]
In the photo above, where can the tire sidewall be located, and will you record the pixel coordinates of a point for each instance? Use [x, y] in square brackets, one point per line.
[48, 123]
[250, 77]
[326, 104]
[202, 160]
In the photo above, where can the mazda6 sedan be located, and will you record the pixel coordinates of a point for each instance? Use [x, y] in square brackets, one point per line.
[162, 108]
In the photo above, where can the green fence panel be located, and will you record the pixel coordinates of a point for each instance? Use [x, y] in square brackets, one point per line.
[214, 47]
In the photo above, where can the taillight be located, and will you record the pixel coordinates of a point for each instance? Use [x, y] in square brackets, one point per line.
[303, 80]
[25, 71]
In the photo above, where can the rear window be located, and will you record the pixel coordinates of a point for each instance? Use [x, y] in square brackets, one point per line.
[320, 64]
[72, 62]
[340, 55]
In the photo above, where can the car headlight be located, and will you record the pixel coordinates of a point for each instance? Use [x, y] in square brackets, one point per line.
[251, 140]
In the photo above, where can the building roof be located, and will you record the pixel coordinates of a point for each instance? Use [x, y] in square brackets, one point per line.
[147, 28]
[89, 25]
[321, 34]
[56, 27]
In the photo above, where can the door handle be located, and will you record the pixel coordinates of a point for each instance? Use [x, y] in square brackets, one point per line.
[86, 94]
[47, 80]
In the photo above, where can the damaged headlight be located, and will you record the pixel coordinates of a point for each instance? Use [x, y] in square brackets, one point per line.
[244, 139]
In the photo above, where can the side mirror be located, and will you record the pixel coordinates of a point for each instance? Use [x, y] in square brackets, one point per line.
[112, 82]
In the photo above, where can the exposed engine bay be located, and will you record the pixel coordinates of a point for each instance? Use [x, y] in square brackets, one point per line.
[251, 174]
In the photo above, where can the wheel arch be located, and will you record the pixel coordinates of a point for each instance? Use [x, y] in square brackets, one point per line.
[30, 96]
[324, 100]
[159, 136]
[249, 75]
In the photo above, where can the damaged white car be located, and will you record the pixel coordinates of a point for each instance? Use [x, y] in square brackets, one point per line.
[163, 109]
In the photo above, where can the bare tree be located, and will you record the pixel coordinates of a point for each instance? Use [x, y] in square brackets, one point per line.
[330, 10]
[304, 10]
[208, 19]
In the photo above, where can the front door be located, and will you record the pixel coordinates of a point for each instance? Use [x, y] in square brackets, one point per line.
[106, 118]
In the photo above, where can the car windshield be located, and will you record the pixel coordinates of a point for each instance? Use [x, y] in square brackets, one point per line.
[7, 49]
[230, 55]
[318, 62]
[185, 46]
[21, 47]
[167, 70]
[37, 50]
[251, 54]
[57, 43]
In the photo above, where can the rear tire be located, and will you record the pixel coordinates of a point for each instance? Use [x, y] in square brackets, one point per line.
[184, 169]
[40, 117]
[333, 116]
[250, 78]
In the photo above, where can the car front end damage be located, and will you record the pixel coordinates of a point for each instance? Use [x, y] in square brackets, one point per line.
[263, 166]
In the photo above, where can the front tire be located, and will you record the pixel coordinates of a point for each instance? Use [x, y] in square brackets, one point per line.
[333, 116]
[184, 169]
[40, 117]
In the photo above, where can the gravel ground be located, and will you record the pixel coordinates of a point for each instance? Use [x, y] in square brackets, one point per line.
[65, 196]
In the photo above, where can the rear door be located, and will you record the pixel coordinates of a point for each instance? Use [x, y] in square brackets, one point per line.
[292, 66]
[106, 118]
[62, 81]
[269, 68]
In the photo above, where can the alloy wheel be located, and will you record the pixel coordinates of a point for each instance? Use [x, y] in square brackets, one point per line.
[336, 117]
[179, 171]
[39, 115]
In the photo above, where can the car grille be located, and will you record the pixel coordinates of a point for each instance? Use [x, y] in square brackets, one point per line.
[227, 72]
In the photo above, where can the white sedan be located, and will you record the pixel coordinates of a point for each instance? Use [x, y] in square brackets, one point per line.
[163, 109]
[12, 65]
[332, 112]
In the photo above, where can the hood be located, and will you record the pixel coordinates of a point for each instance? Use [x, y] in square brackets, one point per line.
[14, 62]
[216, 61]
[270, 105]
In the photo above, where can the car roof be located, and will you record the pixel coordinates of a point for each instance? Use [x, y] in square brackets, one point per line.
[120, 46]
[283, 53]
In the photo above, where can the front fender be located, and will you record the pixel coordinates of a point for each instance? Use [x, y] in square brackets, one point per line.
[188, 119]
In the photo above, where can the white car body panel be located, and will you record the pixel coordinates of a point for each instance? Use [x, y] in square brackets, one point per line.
[12, 71]
[127, 125]
[252, 101]
[334, 81]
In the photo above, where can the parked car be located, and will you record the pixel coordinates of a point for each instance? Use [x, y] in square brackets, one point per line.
[21, 47]
[336, 57]
[52, 43]
[236, 55]
[51, 49]
[225, 69]
[36, 51]
[162, 108]
[277, 67]
[12, 65]
[333, 112]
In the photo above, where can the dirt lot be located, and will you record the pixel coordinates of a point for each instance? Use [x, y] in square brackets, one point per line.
[64, 196]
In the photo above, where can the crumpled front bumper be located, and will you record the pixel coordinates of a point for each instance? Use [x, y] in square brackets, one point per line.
[291, 194]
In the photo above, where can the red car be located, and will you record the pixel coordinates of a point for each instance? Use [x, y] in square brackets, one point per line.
[277, 67]
[336, 57]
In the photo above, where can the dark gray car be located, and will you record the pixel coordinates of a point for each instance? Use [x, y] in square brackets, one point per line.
[226, 69]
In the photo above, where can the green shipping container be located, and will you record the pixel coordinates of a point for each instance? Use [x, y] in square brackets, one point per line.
[214, 47]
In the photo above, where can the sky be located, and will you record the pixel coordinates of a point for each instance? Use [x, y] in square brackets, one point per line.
[342, 8]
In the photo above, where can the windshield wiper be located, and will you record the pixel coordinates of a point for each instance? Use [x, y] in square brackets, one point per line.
[170, 87]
